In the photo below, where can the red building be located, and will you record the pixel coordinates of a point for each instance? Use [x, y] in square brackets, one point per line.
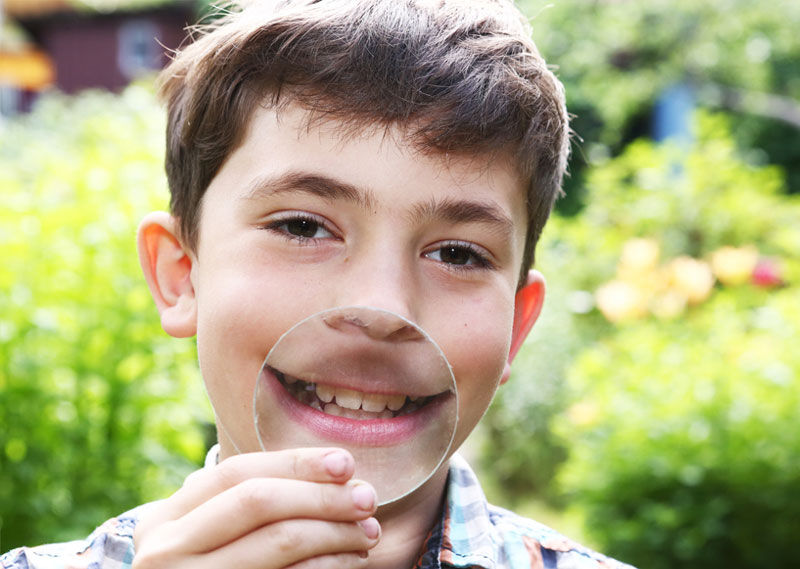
[78, 44]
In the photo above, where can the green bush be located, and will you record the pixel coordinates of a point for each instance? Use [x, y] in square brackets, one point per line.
[100, 410]
[684, 447]
[682, 429]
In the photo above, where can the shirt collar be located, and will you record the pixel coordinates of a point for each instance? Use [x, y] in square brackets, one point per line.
[212, 457]
[465, 527]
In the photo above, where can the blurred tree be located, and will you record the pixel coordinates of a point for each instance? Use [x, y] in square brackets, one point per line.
[617, 57]
[101, 411]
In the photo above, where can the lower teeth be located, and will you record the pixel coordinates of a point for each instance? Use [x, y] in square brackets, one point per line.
[360, 414]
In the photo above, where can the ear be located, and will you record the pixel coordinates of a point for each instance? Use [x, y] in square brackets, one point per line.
[527, 307]
[167, 268]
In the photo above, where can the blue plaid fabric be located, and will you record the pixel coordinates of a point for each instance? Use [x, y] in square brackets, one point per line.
[475, 534]
[110, 546]
[471, 533]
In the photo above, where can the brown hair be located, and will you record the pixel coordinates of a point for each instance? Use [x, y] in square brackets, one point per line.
[462, 76]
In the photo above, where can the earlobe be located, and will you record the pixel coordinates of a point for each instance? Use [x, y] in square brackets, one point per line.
[527, 307]
[167, 267]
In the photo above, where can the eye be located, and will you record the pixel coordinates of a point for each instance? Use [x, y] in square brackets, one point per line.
[300, 227]
[460, 255]
[307, 228]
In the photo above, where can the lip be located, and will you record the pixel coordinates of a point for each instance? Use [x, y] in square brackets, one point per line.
[368, 370]
[342, 430]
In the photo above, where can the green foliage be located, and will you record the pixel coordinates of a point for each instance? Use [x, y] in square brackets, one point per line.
[616, 58]
[692, 201]
[681, 432]
[684, 447]
[100, 409]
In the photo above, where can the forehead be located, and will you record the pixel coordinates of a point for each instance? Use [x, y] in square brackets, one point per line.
[380, 166]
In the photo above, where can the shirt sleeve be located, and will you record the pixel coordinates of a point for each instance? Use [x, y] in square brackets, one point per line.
[110, 546]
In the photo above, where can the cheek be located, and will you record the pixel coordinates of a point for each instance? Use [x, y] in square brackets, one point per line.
[480, 363]
[478, 350]
[229, 354]
[229, 316]
[245, 303]
[237, 325]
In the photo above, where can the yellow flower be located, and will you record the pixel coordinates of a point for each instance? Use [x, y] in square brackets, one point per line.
[734, 265]
[639, 256]
[620, 301]
[691, 277]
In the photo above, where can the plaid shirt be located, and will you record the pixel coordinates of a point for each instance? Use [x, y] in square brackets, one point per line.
[471, 533]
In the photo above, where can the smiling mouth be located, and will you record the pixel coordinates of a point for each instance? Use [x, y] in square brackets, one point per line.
[348, 403]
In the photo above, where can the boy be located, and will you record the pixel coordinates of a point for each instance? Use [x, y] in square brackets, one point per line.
[402, 155]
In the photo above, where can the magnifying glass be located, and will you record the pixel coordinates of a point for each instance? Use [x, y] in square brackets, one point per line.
[366, 380]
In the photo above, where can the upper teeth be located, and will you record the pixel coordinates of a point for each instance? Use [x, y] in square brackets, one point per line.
[350, 403]
[350, 399]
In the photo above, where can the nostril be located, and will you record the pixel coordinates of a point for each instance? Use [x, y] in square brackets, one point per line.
[389, 327]
[345, 323]
[355, 321]
[377, 325]
[404, 334]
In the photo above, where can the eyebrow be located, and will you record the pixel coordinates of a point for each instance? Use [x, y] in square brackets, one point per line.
[313, 184]
[447, 209]
[465, 211]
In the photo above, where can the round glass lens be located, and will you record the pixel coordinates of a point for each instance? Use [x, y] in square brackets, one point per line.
[366, 380]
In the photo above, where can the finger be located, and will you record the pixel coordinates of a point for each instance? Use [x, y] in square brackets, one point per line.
[350, 560]
[261, 501]
[311, 464]
[291, 542]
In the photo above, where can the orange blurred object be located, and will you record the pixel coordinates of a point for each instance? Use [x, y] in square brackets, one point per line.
[33, 8]
[31, 70]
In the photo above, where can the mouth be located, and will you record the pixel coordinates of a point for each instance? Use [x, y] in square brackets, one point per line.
[349, 403]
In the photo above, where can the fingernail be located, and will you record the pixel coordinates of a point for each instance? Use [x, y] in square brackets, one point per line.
[335, 463]
[364, 496]
[371, 527]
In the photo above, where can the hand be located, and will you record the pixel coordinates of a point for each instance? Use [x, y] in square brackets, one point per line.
[263, 510]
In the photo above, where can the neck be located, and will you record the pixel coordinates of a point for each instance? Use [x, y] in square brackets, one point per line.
[405, 524]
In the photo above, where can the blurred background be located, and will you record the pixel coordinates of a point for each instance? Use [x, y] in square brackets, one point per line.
[652, 414]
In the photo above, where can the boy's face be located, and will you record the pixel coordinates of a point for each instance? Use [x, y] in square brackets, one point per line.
[300, 219]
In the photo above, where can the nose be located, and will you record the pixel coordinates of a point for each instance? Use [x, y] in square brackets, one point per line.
[376, 324]
[381, 274]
